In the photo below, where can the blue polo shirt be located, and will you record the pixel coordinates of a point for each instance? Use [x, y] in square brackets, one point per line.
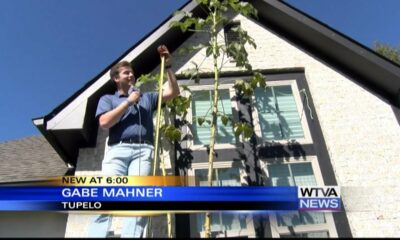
[132, 125]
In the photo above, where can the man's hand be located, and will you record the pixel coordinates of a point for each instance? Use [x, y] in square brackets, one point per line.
[172, 89]
[134, 97]
[163, 51]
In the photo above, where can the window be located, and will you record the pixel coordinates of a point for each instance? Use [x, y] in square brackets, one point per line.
[202, 99]
[224, 224]
[230, 34]
[221, 221]
[322, 234]
[300, 174]
[202, 107]
[298, 223]
[279, 113]
[279, 118]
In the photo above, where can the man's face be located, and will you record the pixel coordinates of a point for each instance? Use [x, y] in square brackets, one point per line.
[125, 76]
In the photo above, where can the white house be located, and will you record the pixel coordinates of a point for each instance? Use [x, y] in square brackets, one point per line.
[330, 116]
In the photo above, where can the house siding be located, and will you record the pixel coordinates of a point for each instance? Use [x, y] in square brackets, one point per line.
[360, 131]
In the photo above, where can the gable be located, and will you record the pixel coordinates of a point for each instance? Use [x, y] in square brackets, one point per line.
[361, 64]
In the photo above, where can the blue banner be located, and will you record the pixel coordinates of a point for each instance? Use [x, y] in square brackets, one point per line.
[148, 198]
[230, 194]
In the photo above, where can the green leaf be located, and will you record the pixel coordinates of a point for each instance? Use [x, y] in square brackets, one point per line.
[239, 85]
[243, 128]
[209, 51]
[177, 135]
[179, 105]
[244, 87]
[200, 120]
[253, 83]
[188, 22]
[170, 132]
[259, 79]
[205, 2]
[190, 72]
[186, 88]
[238, 128]
[199, 24]
[175, 24]
[180, 12]
[224, 120]
[146, 78]
[248, 131]
[215, 4]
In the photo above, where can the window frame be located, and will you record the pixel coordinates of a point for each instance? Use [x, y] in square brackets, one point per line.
[328, 226]
[234, 106]
[249, 231]
[300, 110]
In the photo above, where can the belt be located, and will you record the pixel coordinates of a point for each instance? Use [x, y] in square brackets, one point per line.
[131, 141]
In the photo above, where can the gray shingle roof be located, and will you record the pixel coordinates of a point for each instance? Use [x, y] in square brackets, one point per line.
[29, 158]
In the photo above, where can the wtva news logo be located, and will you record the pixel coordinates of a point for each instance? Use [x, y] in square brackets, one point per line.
[326, 198]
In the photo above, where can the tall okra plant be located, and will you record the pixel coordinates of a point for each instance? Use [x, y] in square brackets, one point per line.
[217, 50]
[168, 133]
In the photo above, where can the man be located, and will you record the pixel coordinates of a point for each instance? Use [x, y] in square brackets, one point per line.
[128, 115]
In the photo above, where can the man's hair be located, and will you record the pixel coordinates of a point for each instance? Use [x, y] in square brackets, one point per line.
[114, 71]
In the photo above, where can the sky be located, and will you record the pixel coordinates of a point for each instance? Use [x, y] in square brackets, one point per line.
[49, 49]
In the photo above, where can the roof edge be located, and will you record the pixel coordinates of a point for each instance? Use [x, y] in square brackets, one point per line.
[39, 122]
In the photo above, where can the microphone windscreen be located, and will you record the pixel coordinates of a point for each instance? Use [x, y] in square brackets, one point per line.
[133, 89]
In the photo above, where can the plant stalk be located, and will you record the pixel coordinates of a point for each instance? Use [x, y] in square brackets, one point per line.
[207, 224]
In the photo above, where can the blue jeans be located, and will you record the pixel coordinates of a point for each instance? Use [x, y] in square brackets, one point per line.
[124, 159]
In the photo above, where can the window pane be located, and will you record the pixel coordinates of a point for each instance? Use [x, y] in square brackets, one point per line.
[280, 175]
[202, 107]
[266, 107]
[231, 221]
[221, 221]
[216, 225]
[312, 217]
[201, 176]
[306, 235]
[297, 174]
[225, 133]
[225, 176]
[278, 114]
[303, 174]
[317, 234]
[229, 177]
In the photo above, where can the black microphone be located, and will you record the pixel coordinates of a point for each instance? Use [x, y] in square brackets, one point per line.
[134, 89]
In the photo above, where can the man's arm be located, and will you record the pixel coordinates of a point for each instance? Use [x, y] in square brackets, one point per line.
[110, 118]
[172, 89]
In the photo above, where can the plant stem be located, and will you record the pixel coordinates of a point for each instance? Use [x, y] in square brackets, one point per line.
[214, 35]
[156, 142]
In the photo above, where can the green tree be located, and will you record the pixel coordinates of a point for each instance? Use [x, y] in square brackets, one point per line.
[215, 20]
[390, 52]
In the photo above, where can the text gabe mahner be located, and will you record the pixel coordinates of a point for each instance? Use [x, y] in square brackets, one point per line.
[114, 192]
